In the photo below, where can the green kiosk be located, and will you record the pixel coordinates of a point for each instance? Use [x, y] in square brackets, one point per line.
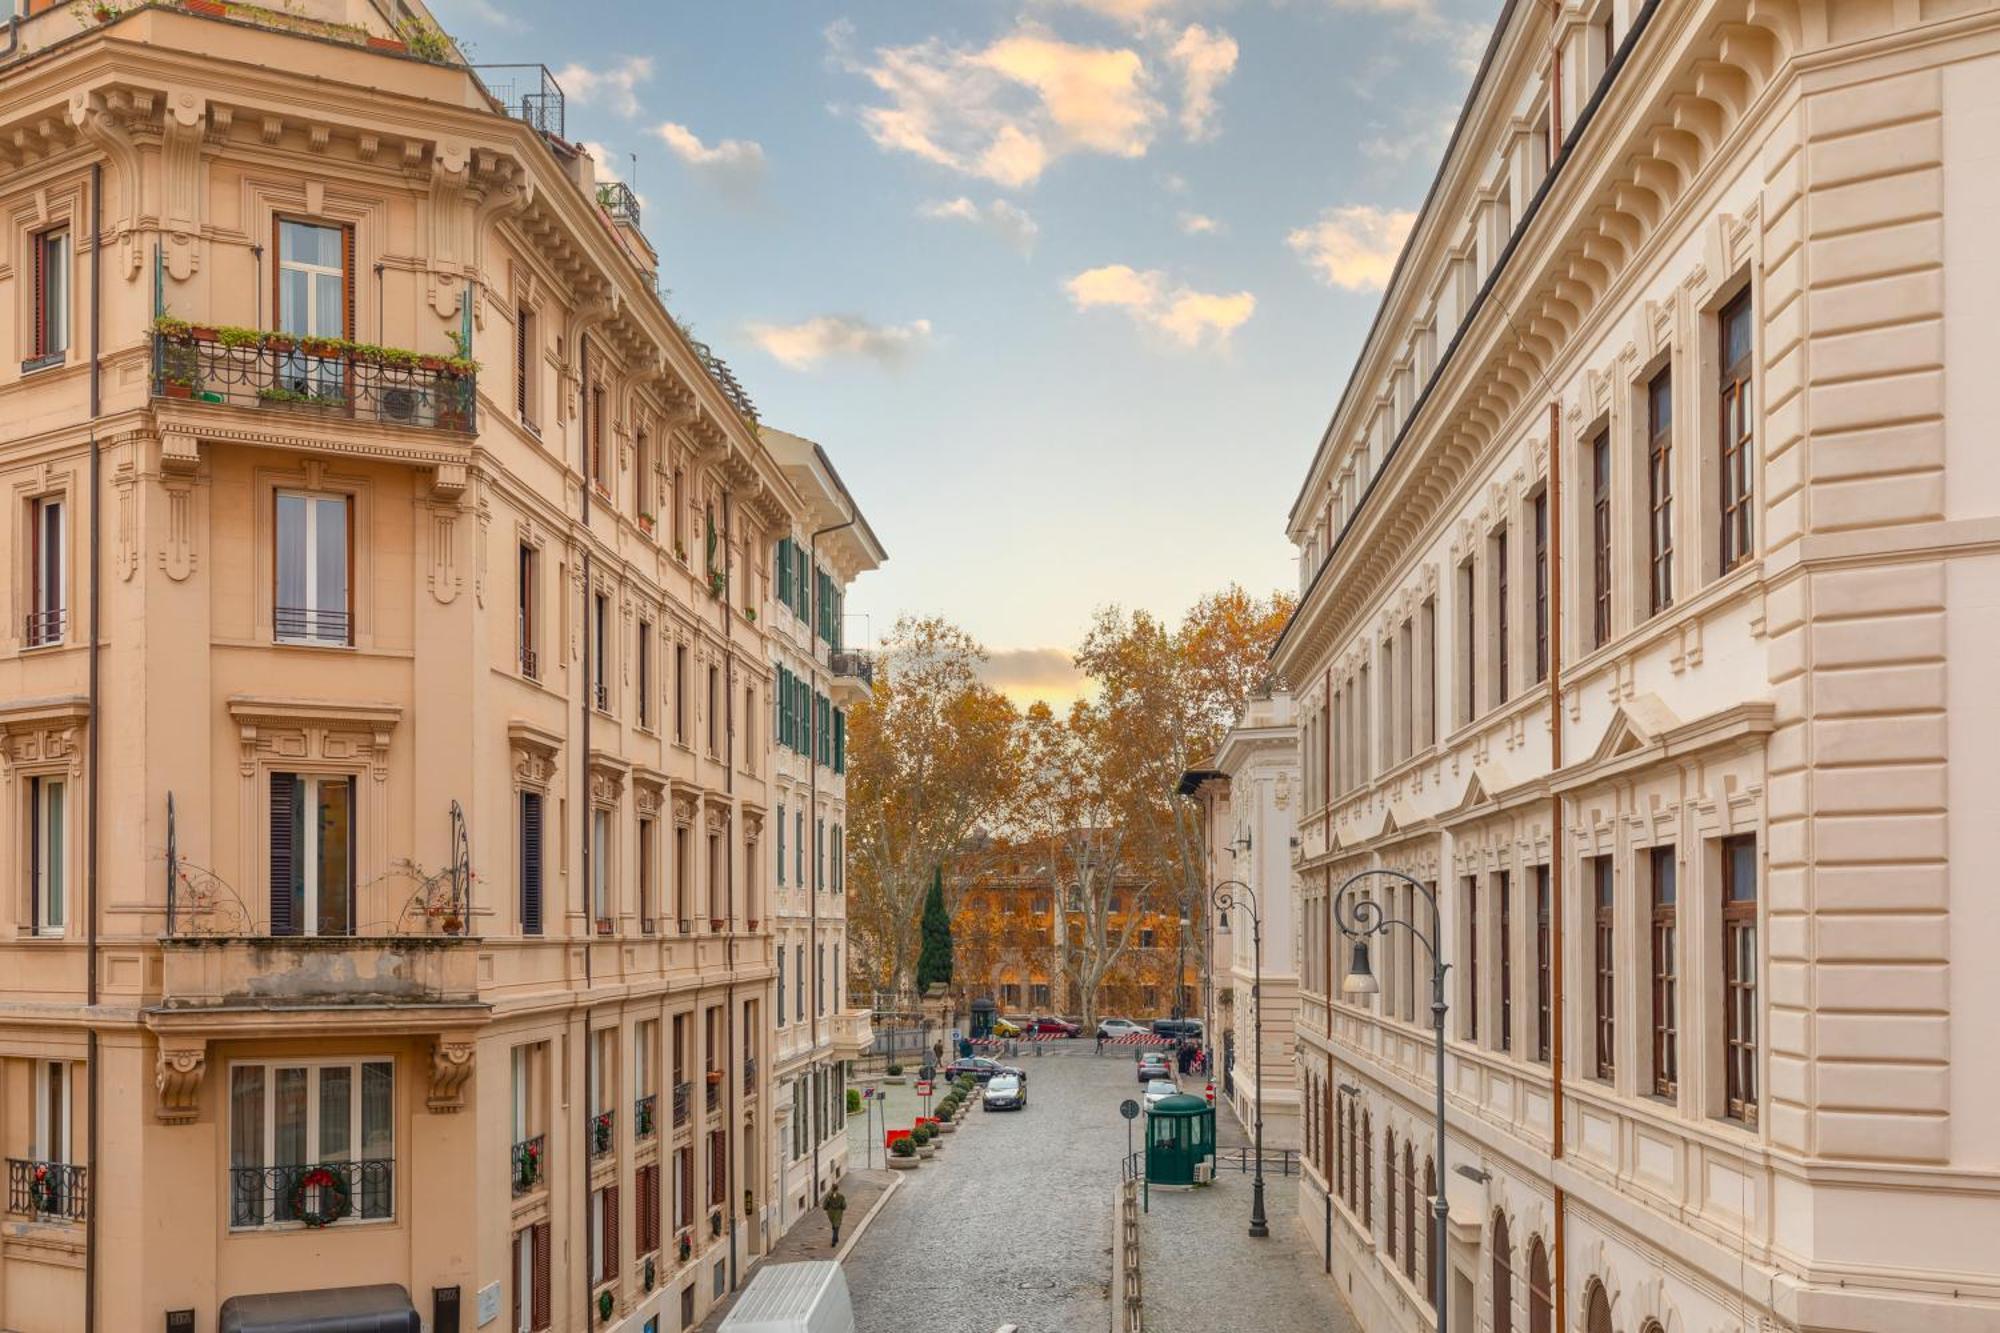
[1180, 1135]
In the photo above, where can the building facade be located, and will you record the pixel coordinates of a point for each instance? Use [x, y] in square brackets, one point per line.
[1250, 797]
[817, 679]
[385, 689]
[1631, 562]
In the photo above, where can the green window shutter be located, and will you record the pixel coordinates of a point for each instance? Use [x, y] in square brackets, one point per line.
[784, 564]
[840, 740]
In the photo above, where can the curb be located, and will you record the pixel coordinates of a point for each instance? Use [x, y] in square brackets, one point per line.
[861, 1227]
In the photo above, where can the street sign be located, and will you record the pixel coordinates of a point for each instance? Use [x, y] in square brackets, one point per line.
[1129, 1109]
[923, 1087]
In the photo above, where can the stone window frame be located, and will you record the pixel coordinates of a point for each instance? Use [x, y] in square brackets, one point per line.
[269, 200]
[43, 740]
[314, 476]
[31, 213]
[607, 775]
[534, 757]
[31, 487]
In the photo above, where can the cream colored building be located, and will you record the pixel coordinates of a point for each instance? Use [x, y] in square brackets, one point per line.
[1633, 562]
[1250, 798]
[817, 680]
[396, 854]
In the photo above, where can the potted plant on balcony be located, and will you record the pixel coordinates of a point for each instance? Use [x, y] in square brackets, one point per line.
[43, 1196]
[527, 1167]
[903, 1155]
[645, 523]
[604, 1304]
[686, 1246]
[714, 1077]
[715, 1223]
[642, 1122]
[600, 1132]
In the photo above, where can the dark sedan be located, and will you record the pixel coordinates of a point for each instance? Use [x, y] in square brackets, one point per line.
[980, 1068]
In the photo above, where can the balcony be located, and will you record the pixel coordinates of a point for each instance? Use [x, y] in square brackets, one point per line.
[603, 1135]
[47, 1191]
[683, 1096]
[714, 1089]
[312, 1194]
[203, 973]
[530, 1164]
[853, 1034]
[852, 664]
[324, 379]
[618, 202]
[643, 1123]
[527, 93]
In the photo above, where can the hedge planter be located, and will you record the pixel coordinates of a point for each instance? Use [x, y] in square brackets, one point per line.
[902, 1163]
[948, 1126]
[926, 1151]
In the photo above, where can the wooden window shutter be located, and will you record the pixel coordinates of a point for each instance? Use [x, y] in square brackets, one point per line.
[40, 279]
[521, 318]
[686, 1158]
[284, 853]
[522, 1299]
[347, 279]
[531, 863]
[542, 1312]
[609, 1266]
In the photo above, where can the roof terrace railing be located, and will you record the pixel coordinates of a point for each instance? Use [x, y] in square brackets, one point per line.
[527, 92]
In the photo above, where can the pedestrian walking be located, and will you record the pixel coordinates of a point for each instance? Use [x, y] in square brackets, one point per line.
[1100, 1043]
[835, 1204]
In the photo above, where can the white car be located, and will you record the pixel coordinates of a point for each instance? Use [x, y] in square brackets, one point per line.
[1158, 1091]
[1112, 1028]
[1006, 1092]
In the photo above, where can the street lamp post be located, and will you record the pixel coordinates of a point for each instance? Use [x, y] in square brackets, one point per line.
[1228, 895]
[1358, 918]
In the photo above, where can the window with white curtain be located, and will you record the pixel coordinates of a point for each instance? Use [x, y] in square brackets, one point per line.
[287, 1118]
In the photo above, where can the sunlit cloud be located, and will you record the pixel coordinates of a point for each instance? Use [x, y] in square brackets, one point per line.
[733, 166]
[1205, 60]
[1353, 245]
[804, 345]
[1199, 224]
[490, 14]
[615, 86]
[1009, 222]
[1006, 111]
[1034, 675]
[1186, 316]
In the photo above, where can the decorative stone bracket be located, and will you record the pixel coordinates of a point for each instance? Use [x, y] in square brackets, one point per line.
[451, 1066]
[177, 1073]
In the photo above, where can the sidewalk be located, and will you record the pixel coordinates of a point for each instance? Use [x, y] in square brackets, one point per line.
[811, 1237]
[1197, 1261]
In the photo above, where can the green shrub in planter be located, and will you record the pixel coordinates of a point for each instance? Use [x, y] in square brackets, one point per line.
[903, 1148]
[854, 1101]
[921, 1135]
[894, 1071]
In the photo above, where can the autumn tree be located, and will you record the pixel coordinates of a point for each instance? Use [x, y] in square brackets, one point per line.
[1167, 695]
[934, 756]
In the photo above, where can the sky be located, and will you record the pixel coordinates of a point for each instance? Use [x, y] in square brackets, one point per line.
[1067, 289]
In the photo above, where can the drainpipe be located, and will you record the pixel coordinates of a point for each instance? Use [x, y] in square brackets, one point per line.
[812, 808]
[90, 1071]
[583, 787]
[730, 1183]
[1556, 851]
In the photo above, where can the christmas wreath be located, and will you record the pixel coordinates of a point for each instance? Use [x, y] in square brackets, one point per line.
[47, 1199]
[335, 1198]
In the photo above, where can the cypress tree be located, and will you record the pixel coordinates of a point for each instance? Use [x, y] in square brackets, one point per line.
[934, 960]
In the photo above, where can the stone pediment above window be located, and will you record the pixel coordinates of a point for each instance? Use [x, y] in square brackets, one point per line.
[649, 790]
[314, 730]
[45, 732]
[534, 750]
[1635, 724]
[607, 777]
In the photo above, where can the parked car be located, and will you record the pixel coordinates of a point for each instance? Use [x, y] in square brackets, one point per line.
[1110, 1028]
[1053, 1027]
[1006, 1092]
[1154, 1064]
[809, 1297]
[1158, 1091]
[1177, 1027]
[980, 1068]
[1006, 1027]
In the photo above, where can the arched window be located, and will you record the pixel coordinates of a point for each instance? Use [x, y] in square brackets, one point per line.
[1430, 1237]
[1503, 1278]
[1541, 1303]
[1389, 1193]
[1409, 1211]
[1596, 1309]
[1652, 1326]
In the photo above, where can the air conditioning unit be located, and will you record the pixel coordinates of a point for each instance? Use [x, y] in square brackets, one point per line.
[405, 405]
[1204, 1173]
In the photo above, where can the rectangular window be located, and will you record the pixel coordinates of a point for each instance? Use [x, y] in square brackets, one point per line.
[532, 1307]
[48, 878]
[1600, 539]
[1543, 964]
[604, 1235]
[312, 837]
[681, 909]
[600, 869]
[53, 1107]
[1468, 656]
[1504, 886]
[303, 1136]
[1666, 1035]
[781, 854]
[1500, 616]
[1604, 964]
[315, 278]
[1738, 430]
[781, 986]
[531, 863]
[648, 857]
[1660, 490]
[51, 259]
[600, 651]
[799, 848]
[47, 597]
[1739, 976]
[714, 713]
[644, 671]
[527, 349]
[313, 568]
[1429, 620]
[680, 693]
[1471, 958]
[597, 475]
[801, 961]
[1541, 587]
[524, 612]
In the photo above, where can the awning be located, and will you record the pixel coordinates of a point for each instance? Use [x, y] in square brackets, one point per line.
[380, 1309]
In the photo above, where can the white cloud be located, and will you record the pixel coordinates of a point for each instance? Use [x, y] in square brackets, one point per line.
[1187, 316]
[616, 85]
[491, 14]
[1205, 60]
[1135, 13]
[734, 166]
[804, 345]
[1005, 111]
[1200, 224]
[1423, 141]
[1354, 245]
[1012, 224]
[1421, 21]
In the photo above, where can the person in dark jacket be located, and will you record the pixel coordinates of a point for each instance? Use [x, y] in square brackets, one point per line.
[835, 1204]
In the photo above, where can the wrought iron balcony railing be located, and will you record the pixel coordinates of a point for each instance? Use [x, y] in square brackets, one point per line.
[42, 628]
[312, 1193]
[602, 1135]
[853, 663]
[749, 1075]
[316, 378]
[530, 1164]
[47, 1191]
[683, 1095]
[643, 1123]
[618, 202]
[526, 92]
